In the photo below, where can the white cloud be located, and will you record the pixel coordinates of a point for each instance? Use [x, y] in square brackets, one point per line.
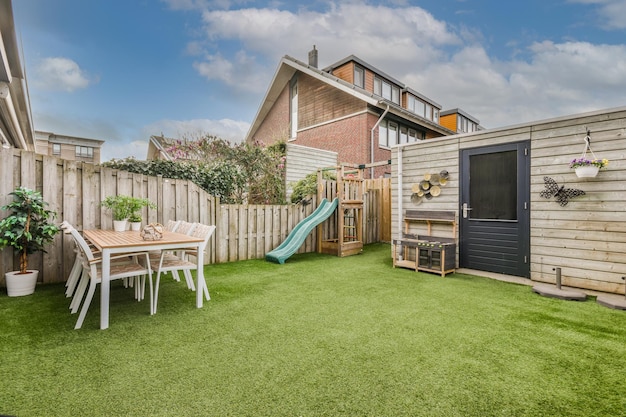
[60, 74]
[448, 64]
[239, 73]
[375, 33]
[612, 13]
[558, 79]
[231, 130]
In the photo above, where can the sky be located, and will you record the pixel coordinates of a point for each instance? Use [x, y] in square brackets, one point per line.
[124, 70]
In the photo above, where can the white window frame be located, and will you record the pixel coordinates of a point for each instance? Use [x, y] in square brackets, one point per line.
[84, 151]
[293, 91]
[359, 75]
[386, 90]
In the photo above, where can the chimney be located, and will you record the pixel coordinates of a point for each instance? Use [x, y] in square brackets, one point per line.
[313, 57]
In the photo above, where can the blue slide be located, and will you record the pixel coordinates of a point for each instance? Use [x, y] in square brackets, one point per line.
[301, 231]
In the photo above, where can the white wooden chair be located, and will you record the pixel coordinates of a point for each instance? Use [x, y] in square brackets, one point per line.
[177, 261]
[77, 268]
[178, 226]
[122, 266]
[172, 225]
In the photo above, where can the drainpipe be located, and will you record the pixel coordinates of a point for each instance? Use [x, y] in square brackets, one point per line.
[380, 119]
[400, 193]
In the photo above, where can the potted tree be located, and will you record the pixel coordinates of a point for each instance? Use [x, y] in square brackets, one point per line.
[136, 204]
[120, 206]
[26, 229]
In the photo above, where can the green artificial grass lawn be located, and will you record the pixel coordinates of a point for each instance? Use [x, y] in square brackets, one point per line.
[317, 336]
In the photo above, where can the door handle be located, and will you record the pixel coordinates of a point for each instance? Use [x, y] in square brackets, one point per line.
[466, 210]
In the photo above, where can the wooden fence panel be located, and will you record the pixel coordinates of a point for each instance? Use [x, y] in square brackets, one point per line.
[75, 190]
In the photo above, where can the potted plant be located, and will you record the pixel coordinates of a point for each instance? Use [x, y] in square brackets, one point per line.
[120, 207]
[136, 204]
[26, 229]
[585, 167]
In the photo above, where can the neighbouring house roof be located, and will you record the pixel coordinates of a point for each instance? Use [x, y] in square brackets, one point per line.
[288, 66]
[68, 140]
[157, 148]
[353, 58]
[16, 129]
[461, 112]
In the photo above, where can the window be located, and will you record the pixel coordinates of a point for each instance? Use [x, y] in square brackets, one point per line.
[294, 110]
[382, 133]
[416, 106]
[429, 112]
[404, 135]
[465, 125]
[56, 149]
[386, 90]
[84, 152]
[359, 76]
[391, 134]
[494, 185]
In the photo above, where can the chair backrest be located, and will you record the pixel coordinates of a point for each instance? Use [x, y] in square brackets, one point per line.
[82, 244]
[67, 229]
[204, 231]
[172, 225]
[186, 228]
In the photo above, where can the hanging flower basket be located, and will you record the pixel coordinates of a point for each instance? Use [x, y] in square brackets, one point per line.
[586, 171]
[587, 167]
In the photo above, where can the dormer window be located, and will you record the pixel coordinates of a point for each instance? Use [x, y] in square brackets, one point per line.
[422, 108]
[386, 90]
[464, 125]
[359, 76]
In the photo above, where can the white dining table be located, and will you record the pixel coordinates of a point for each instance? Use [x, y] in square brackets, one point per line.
[110, 242]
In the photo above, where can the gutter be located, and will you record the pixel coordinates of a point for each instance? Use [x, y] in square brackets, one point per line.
[13, 115]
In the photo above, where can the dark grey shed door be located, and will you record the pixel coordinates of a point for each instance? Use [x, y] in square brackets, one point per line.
[495, 209]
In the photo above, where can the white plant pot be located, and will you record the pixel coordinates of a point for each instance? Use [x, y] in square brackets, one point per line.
[587, 171]
[135, 226]
[21, 284]
[119, 225]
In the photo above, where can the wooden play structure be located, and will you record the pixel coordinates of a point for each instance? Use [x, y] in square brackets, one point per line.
[348, 189]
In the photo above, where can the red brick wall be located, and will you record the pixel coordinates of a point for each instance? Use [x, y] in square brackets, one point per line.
[275, 127]
[350, 138]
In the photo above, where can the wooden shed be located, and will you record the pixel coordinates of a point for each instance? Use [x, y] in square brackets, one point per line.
[511, 191]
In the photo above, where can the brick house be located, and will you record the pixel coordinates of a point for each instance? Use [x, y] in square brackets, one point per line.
[349, 107]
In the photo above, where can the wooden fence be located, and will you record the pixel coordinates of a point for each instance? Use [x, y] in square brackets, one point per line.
[75, 189]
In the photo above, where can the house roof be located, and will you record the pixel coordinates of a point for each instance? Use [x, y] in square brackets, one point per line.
[461, 112]
[354, 58]
[66, 139]
[288, 66]
[158, 145]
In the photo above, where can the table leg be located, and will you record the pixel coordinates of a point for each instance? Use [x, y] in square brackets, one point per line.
[105, 287]
[201, 286]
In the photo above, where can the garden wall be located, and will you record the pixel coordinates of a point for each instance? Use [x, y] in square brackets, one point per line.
[75, 189]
